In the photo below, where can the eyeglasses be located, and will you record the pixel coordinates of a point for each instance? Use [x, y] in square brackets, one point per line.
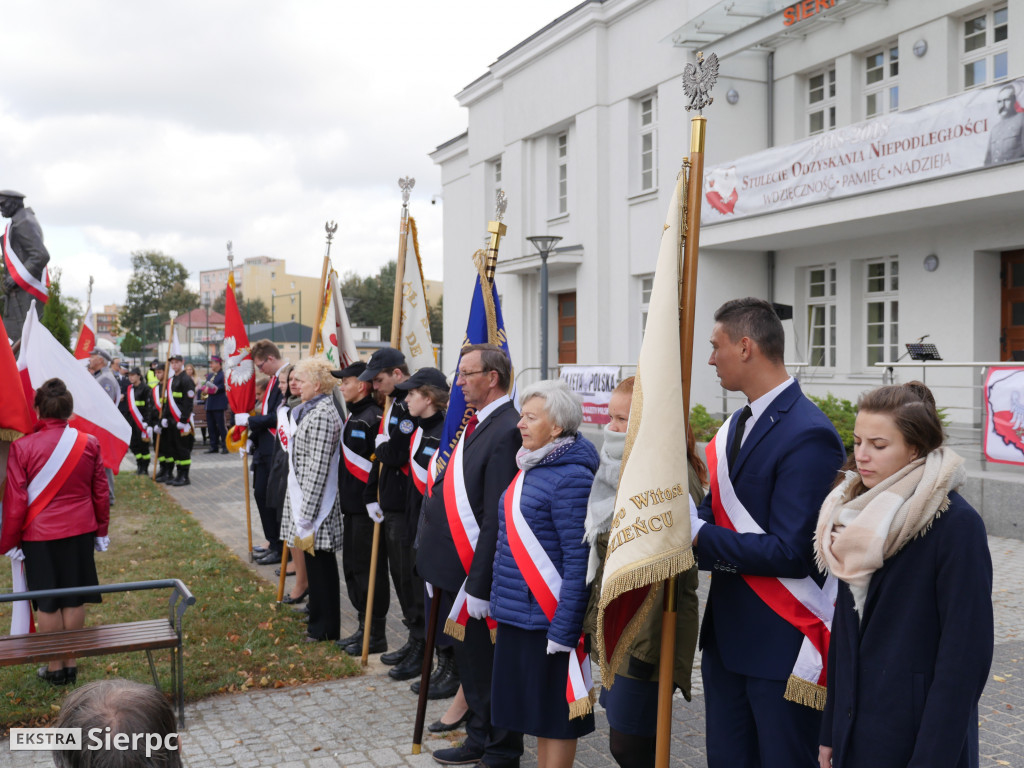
[260, 363]
[467, 374]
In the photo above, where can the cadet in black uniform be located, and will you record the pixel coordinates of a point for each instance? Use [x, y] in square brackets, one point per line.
[176, 422]
[137, 407]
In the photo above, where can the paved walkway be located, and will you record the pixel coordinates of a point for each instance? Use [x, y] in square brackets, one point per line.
[366, 722]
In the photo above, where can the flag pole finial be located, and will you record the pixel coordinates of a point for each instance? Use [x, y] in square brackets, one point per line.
[330, 227]
[698, 80]
[406, 183]
[496, 230]
[231, 257]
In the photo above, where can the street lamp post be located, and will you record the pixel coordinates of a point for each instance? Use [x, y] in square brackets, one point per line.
[273, 316]
[544, 244]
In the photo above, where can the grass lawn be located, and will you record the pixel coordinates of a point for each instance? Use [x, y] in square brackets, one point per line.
[236, 636]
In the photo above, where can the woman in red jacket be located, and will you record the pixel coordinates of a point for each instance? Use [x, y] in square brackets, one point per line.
[56, 510]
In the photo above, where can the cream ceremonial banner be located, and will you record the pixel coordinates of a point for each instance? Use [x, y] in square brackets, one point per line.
[962, 133]
[649, 540]
[335, 337]
[415, 343]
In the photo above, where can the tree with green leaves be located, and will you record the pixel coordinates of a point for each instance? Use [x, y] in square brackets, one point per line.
[131, 344]
[158, 284]
[55, 312]
[254, 311]
[375, 302]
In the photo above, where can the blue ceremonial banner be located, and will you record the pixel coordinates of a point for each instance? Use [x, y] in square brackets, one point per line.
[485, 326]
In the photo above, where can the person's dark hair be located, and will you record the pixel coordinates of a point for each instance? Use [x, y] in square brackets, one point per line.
[125, 707]
[264, 348]
[404, 368]
[493, 358]
[436, 395]
[755, 319]
[53, 400]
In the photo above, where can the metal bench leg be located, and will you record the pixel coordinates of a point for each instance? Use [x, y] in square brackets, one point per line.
[179, 671]
[152, 669]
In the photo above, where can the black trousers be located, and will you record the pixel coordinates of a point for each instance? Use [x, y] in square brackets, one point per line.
[356, 545]
[218, 432]
[324, 595]
[138, 446]
[474, 658]
[402, 562]
[176, 448]
[268, 515]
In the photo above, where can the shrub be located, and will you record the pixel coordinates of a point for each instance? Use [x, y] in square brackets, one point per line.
[842, 414]
[703, 424]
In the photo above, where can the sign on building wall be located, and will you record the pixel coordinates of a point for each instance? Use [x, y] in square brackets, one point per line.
[1004, 415]
[972, 130]
[593, 383]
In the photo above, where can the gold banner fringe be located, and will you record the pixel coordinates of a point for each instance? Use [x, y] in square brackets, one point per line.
[582, 707]
[641, 575]
[454, 629]
[480, 260]
[10, 435]
[805, 692]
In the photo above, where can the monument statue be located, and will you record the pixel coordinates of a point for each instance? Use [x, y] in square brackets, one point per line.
[25, 260]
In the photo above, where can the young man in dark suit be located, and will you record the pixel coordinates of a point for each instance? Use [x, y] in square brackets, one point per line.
[216, 404]
[783, 455]
[488, 447]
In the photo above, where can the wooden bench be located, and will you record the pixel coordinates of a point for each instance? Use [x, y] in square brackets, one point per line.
[148, 636]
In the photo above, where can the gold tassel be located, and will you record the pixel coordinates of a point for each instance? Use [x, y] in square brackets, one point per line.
[494, 636]
[581, 707]
[804, 692]
[10, 435]
[454, 629]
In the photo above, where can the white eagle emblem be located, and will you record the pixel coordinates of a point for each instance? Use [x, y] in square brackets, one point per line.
[238, 366]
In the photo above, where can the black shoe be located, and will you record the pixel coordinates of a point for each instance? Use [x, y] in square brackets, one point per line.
[412, 664]
[457, 756]
[179, 481]
[270, 558]
[71, 675]
[224, 450]
[289, 600]
[447, 682]
[165, 474]
[58, 677]
[439, 726]
[397, 656]
[260, 551]
[212, 450]
[377, 645]
[355, 637]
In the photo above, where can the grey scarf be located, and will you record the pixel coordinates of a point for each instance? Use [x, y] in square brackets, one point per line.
[601, 505]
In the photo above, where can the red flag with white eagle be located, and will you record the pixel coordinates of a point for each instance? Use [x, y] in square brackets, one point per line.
[16, 416]
[239, 378]
[86, 337]
[42, 358]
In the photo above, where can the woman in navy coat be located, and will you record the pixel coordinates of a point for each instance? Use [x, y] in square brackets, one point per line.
[912, 636]
[539, 592]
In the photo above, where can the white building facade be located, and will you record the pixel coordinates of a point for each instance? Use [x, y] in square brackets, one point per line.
[584, 127]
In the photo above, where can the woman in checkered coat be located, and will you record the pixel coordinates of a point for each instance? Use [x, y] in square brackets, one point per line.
[312, 512]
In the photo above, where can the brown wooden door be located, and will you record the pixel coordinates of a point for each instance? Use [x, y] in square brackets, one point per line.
[1012, 339]
[567, 327]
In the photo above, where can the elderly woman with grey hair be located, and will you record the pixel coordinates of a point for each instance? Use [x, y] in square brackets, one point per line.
[539, 592]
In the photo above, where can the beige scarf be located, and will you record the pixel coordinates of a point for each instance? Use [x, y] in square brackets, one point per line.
[855, 535]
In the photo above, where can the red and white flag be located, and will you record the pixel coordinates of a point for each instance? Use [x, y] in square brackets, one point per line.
[16, 415]
[239, 373]
[43, 357]
[86, 337]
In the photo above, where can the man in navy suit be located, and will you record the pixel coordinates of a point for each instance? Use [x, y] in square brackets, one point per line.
[216, 404]
[782, 457]
[489, 445]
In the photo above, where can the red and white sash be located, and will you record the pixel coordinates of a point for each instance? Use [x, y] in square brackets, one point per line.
[800, 602]
[420, 475]
[265, 403]
[465, 533]
[175, 408]
[156, 399]
[383, 431]
[295, 496]
[41, 490]
[357, 466]
[133, 408]
[285, 429]
[17, 270]
[545, 584]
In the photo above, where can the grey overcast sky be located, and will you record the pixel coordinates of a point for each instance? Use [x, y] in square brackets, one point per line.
[179, 126]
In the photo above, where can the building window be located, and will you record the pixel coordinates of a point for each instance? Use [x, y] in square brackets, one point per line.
[881, 81]
[821, 316]
[821, 101]
[562, 164]
[648, 133]
[984, 51]
[646, 286]
[881, 295]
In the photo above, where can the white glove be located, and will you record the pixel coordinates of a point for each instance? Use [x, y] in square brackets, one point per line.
[478, 609]
[554, 647]
[101, 543]
[241, 419]
[149, 432]
[430, 589]
[181, 427]
[304, 529]
[157, 429]
[381, 439]
[163, 423]
[15, 554]
[247, 448]
[695, 522]
[374, 511]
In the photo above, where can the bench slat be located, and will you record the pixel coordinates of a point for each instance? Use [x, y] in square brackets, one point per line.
[89, 641]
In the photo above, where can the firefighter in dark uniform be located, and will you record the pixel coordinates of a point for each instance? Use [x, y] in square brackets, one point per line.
[137, 407]
[176, 423]
[358, 436]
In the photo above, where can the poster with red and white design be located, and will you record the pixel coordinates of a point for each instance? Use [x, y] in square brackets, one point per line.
[1004, 415]
[972, 130]
[594, 384]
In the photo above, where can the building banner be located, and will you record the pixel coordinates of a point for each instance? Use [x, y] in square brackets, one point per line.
[594, 384]
[1004, 415]
[972, 130]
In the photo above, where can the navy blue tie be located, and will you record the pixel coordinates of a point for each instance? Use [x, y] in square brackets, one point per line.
[737, 439]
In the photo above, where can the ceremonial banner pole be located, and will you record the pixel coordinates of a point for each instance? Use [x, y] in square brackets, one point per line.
[428, 662]
[245, 454]
[697, 83]
[406, 183]
[166, 385]
[330, 227]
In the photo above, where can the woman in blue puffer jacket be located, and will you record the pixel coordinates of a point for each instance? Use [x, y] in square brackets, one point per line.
[539, 592]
